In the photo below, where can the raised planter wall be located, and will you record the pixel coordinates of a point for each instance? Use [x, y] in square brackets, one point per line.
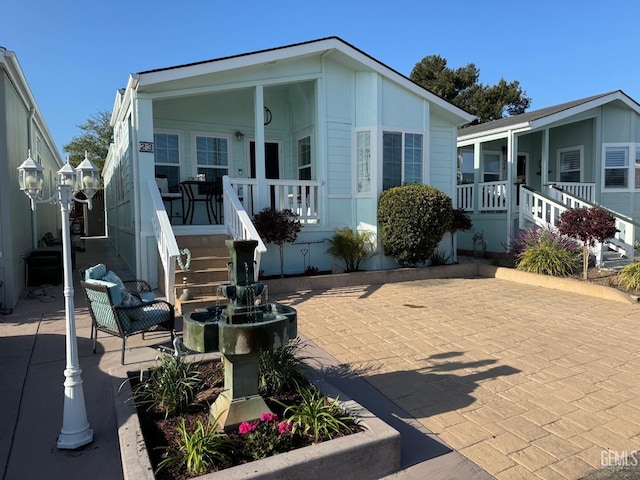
[368, 455]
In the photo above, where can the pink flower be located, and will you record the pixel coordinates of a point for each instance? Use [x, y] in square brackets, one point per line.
[284, 427]
[246, 427]
[268, 417]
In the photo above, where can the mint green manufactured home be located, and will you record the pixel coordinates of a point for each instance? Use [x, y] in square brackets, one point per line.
[318, 127]
[22, 129]
[528, 168]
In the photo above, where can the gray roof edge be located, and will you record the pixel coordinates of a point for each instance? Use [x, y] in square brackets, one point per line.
[546, 113]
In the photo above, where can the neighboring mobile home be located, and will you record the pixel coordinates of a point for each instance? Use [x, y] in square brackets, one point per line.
[527, 168]
[318, 127]
[22, 128]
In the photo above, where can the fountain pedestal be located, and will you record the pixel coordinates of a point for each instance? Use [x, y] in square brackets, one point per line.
[245, 330]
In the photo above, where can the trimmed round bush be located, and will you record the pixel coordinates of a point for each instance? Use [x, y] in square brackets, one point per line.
[412, 221]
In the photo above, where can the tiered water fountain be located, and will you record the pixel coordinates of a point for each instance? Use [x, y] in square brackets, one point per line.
[247, 327]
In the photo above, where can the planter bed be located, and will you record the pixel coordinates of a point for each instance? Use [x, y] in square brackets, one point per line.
[369, 454]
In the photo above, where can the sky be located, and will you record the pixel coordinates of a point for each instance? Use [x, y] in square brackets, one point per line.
[76, 54]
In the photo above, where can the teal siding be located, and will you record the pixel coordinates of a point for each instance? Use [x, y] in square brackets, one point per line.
[339, 168]
[442, 158]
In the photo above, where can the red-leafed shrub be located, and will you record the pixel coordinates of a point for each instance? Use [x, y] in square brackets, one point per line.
[589, 225]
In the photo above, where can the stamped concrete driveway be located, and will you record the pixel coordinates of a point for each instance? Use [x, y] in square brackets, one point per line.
[527, 382]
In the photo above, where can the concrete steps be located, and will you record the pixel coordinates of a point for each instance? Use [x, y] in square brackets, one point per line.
[207, 271]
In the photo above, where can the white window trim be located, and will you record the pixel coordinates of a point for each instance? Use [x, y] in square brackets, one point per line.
[402, 134]
[484, 164]
[580, 148]
[631, 177]
[180, 163]
[299, 136]
[193, 161]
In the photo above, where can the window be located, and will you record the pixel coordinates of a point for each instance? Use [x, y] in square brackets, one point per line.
[363, 162]
[466, 169]
[570, 161]
[401, 163]
[304, 158]
[167, 158]
[212, 157]
[621, 166]
[492, 167]
[616, 166]
[637, 168]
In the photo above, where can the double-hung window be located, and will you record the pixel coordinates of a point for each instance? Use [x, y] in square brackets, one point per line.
[570, 163]
[167, 158]
[304, 158]
[621, 166]
[402, 159]
[492, 169]
[212, 157]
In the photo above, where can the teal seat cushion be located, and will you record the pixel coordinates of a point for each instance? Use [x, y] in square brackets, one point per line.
[114, 290]
[96, 272]
[128, 300]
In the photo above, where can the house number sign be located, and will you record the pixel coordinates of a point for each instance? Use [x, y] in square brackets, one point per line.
[146, 147]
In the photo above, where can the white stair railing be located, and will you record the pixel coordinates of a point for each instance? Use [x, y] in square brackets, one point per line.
[238, 222]
[167, 245]
[545, 211]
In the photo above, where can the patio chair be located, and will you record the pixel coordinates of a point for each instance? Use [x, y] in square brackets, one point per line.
[138, 288]
[109, 315]
[166, 194]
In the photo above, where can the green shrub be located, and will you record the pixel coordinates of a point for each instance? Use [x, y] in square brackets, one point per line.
[200, 449]
[629, 276]
[171, 386]
[318, 417]
[281, 370]
[351, 246]
[548, 253]
[413, 220]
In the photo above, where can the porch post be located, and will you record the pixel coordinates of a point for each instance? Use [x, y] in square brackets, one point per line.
[544, 162]
[261, 175]
[511, 180]
[477, 197]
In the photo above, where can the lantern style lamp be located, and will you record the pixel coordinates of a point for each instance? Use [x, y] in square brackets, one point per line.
[75, 431]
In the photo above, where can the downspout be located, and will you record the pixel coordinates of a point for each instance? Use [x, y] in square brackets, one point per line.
[136, 175]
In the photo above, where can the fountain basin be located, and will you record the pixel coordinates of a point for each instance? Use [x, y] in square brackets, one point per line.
[273, 331]
[200, 330]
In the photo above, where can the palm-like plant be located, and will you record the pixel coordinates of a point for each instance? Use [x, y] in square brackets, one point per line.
[351, 246]
[629, 276]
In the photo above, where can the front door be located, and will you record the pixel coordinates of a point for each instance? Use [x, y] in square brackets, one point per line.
[521, 172]
[271, 165]
[271, 159]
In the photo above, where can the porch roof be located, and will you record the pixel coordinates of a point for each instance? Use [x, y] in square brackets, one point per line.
[152, 78]
[544, 116]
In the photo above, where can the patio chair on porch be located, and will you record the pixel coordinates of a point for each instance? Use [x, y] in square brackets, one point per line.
[109, 315]
[118, 310]
[166, 194]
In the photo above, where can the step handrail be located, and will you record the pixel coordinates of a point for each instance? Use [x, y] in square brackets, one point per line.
[167, 245]
[237, 220]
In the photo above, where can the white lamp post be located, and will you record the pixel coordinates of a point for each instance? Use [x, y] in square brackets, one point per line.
[75, 428]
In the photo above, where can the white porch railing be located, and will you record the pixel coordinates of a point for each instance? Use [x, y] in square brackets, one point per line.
[236, 218]
[300, 196]
[586, 191]
[492, 196]
[167, 246]
[545, 211]
[464, 196]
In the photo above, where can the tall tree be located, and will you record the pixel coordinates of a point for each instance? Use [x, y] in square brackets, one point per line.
[461, 87]
[95, 139]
